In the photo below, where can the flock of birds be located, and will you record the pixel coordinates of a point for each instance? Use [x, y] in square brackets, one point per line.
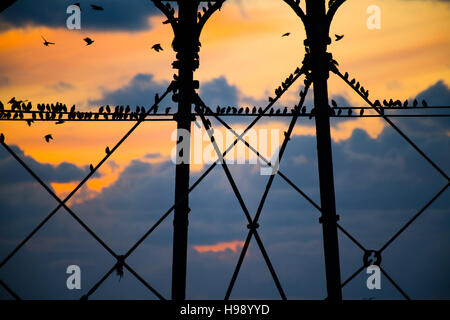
[157, 47]
[379, 105]
[57, 111]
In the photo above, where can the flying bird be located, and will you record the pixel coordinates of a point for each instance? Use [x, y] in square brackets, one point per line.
[47, 43]
[157, 47]
[98, 8]
[89, 41]
[286, 34]
[48, 138]
[338, 37]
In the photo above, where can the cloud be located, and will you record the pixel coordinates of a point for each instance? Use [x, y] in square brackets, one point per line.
[117, 15]
[218, 92]
[11, 172]
[140, 91]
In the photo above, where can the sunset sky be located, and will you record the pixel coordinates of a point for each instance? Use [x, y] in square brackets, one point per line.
[243, 58]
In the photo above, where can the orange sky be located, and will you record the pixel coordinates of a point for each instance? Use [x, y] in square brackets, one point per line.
[242, 43]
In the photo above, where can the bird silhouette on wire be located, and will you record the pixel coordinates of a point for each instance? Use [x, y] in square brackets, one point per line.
[157, 47]
[107, 151]
[47, 43]
[88, 41]
[48, 137]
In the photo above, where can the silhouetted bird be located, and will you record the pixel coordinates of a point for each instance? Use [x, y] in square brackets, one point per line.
[167, 110]
[157, 47]
[48, 138]
[361, 113]
[107, 150]
[349, 112]
[339, 112]
[47, 43]
[286, 34]
[415, 103]
[338, 37]
[385, 103]
[2, 138]
[424, 103]
[98, 8]
[29, 122]
[88, 41]
[91, 167]
[333, 103]
[156, 98]
[405, 104]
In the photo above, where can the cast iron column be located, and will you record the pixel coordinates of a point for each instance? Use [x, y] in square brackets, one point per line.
[317, 40]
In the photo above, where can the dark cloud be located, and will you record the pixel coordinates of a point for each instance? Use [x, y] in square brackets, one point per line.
[118, 15]
[11, 172]
[140, 91]
[438, 94]
[142, 88]
[218, 92]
